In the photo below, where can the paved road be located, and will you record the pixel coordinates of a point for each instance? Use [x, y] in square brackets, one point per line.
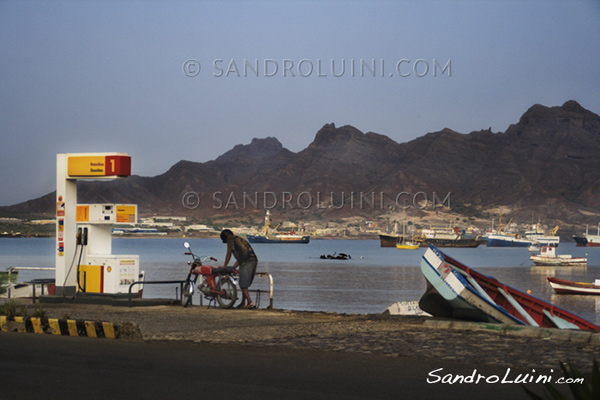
[54, 367]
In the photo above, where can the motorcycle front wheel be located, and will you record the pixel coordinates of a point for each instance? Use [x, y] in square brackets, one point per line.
[228, 292]
[186, 293]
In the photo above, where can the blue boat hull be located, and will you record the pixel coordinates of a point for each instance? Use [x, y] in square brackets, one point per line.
[495, 242]
[264, 239]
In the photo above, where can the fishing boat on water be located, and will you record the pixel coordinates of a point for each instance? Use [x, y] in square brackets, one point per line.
[405, 244]
[532, 237]
[276, 237]
[563, 286]
[457, 291]
[548, 257]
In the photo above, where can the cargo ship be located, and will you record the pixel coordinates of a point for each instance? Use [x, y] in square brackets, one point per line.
[276, 237]
[446, 237]
[390, 239]
[588, 240]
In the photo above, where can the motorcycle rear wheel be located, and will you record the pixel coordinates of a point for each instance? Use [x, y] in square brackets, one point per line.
[186, 293]
[228, 299]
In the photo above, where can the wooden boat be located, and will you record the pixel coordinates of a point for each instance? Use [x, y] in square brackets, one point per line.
[457, 291]
[27, 290]
[548, 257]
[405, 308]
[563, 286]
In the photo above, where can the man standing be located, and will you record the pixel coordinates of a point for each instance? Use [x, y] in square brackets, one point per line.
[246, 261]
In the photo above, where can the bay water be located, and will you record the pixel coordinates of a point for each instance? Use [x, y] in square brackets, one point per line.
[369, 282]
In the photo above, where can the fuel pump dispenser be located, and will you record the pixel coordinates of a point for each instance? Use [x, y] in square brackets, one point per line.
[98, 270]
[84, 260]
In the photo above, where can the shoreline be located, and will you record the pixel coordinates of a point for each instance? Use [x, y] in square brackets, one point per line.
[415, 337]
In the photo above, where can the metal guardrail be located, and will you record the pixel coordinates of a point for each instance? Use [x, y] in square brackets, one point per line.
[257, 291]
[270, 291]
[156, 283]
[34, 281]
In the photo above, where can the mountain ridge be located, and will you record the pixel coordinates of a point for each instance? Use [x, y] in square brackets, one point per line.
[546, 163]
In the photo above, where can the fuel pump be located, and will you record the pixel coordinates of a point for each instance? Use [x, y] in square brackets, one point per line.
[98, 270]
[84, 259]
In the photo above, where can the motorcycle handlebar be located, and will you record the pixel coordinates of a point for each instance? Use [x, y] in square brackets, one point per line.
[189, 253]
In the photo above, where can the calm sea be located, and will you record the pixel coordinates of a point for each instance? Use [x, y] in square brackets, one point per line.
[369, 282]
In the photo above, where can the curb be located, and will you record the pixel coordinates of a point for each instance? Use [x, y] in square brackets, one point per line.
[519, 331]
[69, 327]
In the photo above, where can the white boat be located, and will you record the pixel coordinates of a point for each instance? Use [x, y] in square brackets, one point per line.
[593, 240]
[534, 247]
[406, 308]
[457, 291]
[548, 257]
[26, 290]
[562, 286]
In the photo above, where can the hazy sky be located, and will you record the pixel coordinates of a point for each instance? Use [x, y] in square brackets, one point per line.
[172, 80]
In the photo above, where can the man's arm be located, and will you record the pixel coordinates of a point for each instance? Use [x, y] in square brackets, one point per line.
[228, 258]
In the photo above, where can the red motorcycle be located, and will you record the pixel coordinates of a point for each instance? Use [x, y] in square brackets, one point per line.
[216, 283]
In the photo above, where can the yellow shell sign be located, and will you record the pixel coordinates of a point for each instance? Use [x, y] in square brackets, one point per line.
[99, 165]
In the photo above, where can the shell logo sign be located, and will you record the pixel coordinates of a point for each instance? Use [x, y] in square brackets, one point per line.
[99, 165]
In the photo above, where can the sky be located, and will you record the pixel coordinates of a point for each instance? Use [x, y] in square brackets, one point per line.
[188, 80]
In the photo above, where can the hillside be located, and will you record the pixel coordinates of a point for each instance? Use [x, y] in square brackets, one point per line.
[545, 164]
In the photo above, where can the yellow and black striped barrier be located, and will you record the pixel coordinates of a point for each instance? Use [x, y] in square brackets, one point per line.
[65, 327]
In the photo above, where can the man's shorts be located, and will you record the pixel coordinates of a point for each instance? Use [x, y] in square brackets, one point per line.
[247, 271]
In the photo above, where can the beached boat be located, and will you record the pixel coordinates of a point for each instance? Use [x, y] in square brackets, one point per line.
[548, 257]
[6, 280]
[405, 308]
[457, 291]
[563, 286]
[276, 237]
[28, 290]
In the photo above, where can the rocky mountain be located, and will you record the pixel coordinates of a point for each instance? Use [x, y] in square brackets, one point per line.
[545, 164]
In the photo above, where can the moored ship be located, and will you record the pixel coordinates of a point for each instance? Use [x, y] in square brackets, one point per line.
[537, 236]
[276, 237]
[390, 239]
[587, 239]
[446, 237]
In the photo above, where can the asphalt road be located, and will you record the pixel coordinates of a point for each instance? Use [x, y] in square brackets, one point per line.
[61, 367]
